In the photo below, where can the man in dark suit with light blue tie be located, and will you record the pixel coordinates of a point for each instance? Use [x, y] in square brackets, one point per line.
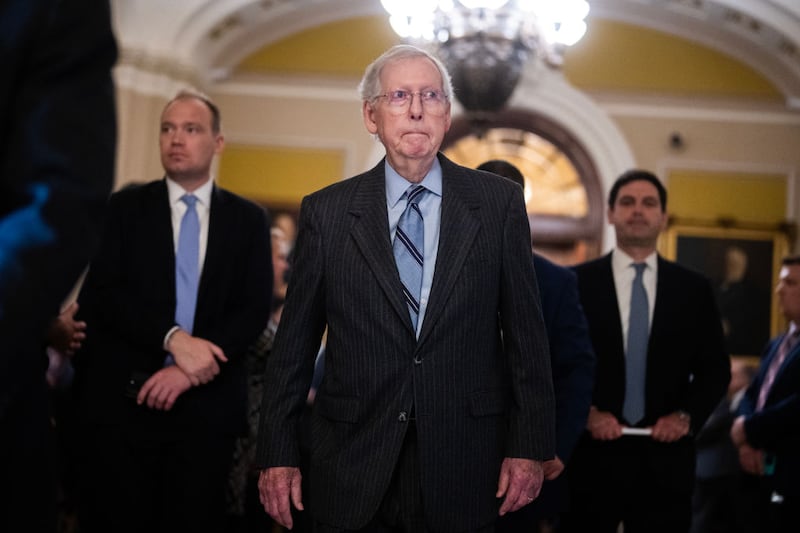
[767, 430]
[661, 370]
[572, 361]
[435, 411]
[179, 288]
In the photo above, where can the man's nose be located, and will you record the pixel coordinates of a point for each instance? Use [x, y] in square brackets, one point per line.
[415, 105]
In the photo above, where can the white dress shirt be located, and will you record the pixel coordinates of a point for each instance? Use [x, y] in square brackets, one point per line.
[624, 274]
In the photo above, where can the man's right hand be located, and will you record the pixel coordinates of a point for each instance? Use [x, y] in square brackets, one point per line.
[275, 486]
[603, 425]
[553, 468]
[195, 356]
[751, 459]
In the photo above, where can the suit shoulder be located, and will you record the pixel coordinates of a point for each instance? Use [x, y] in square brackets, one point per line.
[681, 274]
[340, 188]
[248, 207]
[133, 194]
[549, 271]
[592, 266]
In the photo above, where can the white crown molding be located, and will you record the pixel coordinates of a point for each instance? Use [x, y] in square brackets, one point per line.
[292, 90]
[700, 113]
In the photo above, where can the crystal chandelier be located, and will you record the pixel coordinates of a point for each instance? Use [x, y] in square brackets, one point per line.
[486, 43]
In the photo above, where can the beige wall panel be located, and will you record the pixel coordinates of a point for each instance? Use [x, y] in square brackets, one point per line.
[300, 123]
[138, 117]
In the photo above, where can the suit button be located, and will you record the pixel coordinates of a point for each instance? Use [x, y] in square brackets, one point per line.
[418, 360]
[402, 417]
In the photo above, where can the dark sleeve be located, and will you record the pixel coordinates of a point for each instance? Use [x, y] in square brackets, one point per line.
[248, 296]
[711, 367]
[778, 423]
[290, 366]
[531, 432]
[573, 366]
[128, 294]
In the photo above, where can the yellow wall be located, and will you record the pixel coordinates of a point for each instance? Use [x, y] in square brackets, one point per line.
[620, 57]
[744, 197]
[340, 48]
[278, 176]
[611, 56]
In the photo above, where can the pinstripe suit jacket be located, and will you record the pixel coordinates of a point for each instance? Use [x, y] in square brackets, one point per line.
[478, 377]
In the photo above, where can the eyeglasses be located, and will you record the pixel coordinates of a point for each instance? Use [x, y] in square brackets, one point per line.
[432, 101]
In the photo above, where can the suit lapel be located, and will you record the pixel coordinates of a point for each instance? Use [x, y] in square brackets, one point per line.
[161, 232]
[370, 231]
[791, 358]
[457, 230]
[612, 318]
[218, 220]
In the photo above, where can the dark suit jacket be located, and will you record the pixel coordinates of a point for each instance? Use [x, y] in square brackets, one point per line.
[128, 302]
[776, 428]
[571, 354]
[687, 368]
[477, 396]
[572, 360]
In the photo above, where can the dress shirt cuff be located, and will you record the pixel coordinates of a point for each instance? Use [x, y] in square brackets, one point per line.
[169, 335]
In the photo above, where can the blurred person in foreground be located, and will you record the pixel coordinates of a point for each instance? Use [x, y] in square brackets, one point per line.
[56, 170]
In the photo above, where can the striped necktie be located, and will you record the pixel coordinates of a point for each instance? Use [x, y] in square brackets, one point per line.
[787, 345]
[408, 249]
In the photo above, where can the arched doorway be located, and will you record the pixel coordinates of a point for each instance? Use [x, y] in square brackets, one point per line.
[563, 192]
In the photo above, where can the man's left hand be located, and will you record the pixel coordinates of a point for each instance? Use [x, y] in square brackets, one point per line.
[738, 433]
[163, 388]
[520, 482]
[671, 427]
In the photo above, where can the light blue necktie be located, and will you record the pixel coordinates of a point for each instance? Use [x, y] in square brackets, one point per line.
[636, 357]
[408, 249]
[187, 260]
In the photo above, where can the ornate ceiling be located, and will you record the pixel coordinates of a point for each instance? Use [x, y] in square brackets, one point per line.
[204, 40]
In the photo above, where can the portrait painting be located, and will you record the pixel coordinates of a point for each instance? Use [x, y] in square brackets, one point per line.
[743, 267]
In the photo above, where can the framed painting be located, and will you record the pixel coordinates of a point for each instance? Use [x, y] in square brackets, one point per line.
[743, 266]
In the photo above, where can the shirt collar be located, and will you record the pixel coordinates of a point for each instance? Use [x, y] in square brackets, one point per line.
[396, 184]
[203, 193]
[621, 260]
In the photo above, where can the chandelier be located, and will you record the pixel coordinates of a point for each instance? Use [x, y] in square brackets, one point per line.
[486, 43]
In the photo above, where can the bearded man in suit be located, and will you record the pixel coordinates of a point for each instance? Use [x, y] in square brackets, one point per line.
[435, 411]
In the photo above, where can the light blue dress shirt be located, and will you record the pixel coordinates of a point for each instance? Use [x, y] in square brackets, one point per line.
[431, 208]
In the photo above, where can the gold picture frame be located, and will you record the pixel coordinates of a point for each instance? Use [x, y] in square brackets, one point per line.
[743, 266]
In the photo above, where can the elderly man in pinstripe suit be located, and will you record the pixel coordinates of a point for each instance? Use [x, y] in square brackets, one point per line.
[436, 408]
